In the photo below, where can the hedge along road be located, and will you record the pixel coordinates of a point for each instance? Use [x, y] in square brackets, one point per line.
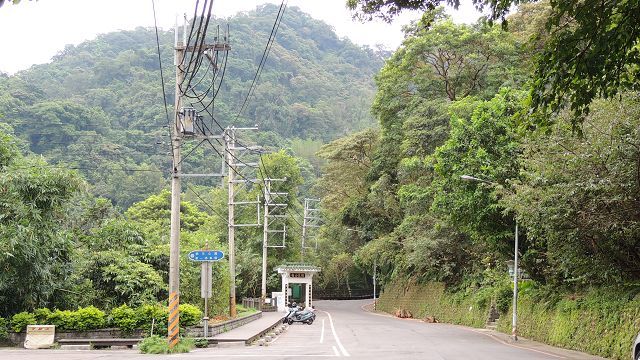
[344, 329]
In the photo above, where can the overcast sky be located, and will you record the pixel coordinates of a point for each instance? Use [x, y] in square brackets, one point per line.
[32, 32]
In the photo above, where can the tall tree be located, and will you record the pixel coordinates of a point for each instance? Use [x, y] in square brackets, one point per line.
[593, 47]
[34, 246]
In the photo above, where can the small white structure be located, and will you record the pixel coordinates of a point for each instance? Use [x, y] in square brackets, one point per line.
[39, 336]
[297, 284]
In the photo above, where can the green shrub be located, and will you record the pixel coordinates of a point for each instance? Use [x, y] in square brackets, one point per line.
[146, 314]
[42, 315]
[602, 322]
[20, 321]
[189, 315]
[4, 328]
[201, 343]
[504, 297]
[89, 317]
[158, 345]
[62, 319]
[124, 318]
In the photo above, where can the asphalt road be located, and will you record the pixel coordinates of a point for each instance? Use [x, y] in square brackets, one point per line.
[344, 329]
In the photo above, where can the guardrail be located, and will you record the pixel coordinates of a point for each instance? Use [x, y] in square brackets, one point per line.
[343, 294]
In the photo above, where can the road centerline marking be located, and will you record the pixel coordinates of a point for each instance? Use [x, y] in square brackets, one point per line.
[335, 335]
[322, 333]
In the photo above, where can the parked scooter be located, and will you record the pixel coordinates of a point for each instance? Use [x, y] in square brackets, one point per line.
[292, 310]
[306, 316]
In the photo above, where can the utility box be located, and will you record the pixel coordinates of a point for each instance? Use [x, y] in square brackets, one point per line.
[188, 116]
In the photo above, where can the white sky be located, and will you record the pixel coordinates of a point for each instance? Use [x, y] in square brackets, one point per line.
[34, 31]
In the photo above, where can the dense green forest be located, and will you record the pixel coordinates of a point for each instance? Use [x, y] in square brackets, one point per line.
[540, 106]
[85, 205]
[547, 124]
[98, 105]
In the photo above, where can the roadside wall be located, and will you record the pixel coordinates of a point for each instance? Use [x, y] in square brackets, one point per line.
[599, 323]
[430, 300]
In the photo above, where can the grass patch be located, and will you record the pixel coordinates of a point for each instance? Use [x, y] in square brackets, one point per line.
[158, 345]
[244, 311]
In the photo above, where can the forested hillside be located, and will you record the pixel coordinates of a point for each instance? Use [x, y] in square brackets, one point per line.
[84, 154]
[473, 142]
[98, 106]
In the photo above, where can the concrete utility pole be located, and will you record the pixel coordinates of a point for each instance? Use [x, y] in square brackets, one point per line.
[174, 252]
[230, 142]
[268, 203]
[183, 129]
[265, 238]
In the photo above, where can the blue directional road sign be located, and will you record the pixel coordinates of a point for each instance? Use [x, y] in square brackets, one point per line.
[206, 255]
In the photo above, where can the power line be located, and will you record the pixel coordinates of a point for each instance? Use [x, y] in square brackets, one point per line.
[265, 54]
[86, 168]
[164, 94]
[199, 54]
[206, 204]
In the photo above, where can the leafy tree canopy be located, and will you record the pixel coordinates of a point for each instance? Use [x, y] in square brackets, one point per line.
[592, 48]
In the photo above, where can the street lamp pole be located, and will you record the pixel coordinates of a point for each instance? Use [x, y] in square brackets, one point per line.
[514, 319]
[375, 262]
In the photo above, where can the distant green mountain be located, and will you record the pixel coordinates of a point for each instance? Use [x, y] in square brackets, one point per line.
[98, 106]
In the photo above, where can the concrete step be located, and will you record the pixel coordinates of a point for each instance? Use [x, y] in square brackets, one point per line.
[75, 347]
[231, 344]
[492, 325]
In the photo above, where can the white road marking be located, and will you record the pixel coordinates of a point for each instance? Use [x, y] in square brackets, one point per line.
[322, 333]
[516, 346]
[335, 351]
[333, 330]
[280, 356]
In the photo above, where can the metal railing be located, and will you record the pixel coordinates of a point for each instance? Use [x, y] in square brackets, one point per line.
[343, 294]
[255, 303]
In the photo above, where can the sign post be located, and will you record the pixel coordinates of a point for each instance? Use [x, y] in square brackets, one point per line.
[205, 293]
[206, 279]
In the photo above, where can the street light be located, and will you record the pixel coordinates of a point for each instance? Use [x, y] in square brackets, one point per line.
[514, 319]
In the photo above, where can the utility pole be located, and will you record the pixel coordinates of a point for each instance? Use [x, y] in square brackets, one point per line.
[174, 246]
[230, 142]
[265, 238]
[310, 220]
[183, 129]
[268, 204]
[232, 165]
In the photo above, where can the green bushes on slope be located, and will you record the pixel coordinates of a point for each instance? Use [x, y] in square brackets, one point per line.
[601, 322]
[424, 300]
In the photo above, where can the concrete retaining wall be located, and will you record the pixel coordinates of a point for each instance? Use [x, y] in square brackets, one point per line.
[17, 339]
